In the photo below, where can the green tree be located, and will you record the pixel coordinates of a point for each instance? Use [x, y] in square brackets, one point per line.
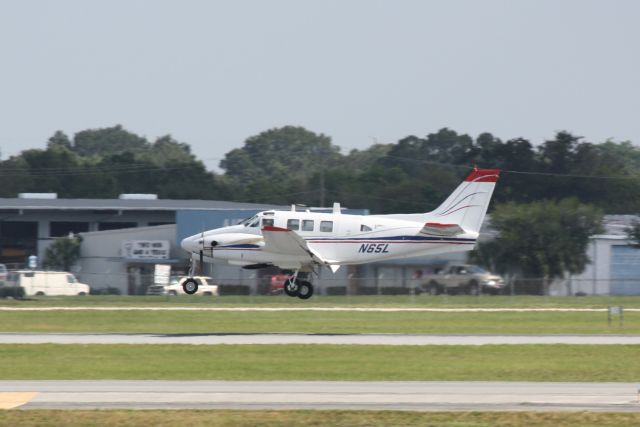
[63, 253]
[278, 163]
[541, 240]
[633, 234]
[59, 139]
[92, 142]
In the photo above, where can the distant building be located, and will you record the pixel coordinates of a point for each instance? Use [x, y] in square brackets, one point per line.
[29, 223]
[615, 264]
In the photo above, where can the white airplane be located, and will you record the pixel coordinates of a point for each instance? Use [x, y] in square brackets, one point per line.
[301, 241]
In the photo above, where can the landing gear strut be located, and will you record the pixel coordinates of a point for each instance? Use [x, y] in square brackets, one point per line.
[296, 286]
[190, 286]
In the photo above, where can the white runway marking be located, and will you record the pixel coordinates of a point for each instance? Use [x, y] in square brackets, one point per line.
[327, 309]
[335, 339]
[387, 395]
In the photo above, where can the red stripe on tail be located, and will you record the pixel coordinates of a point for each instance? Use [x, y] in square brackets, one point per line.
[483, 175]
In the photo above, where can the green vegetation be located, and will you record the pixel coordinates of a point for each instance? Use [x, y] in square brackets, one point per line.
[324, 322]
[63, 253]
[315, 418]
[413, 174]
[527, 240]
[384, 301]
[320, 362]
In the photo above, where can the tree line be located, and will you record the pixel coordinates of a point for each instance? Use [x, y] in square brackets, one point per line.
[294, 165]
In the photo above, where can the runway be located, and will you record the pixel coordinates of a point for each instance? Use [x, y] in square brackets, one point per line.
[344, 339]
[415, 396]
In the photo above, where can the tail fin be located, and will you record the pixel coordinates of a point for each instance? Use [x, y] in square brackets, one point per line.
[467, 205]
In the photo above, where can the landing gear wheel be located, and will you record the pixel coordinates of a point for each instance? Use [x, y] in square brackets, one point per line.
[190, 286]
[305, 290]
[291, 288]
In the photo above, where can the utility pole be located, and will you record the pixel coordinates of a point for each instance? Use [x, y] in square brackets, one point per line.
[322, 184]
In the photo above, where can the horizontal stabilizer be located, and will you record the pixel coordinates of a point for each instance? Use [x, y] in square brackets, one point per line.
[439, 229]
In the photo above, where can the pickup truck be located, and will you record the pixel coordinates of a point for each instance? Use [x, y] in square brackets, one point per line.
[462, 279]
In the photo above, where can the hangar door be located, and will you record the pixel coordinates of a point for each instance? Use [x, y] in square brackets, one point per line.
[625, 270]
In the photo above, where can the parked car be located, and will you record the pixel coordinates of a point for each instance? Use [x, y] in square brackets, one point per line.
[276, 284]
[41, 283]
[206, 287]
[462, 279]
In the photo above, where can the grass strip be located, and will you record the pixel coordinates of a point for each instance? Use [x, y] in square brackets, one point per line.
[317, 322]
[313, 418]
[320, 362]
[441, 301]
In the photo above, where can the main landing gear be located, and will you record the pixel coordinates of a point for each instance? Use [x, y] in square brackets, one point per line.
[297, 286]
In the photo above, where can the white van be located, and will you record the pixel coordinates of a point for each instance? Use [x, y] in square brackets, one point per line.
[47, 283]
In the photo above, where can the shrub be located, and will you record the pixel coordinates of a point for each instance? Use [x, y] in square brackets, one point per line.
[336, 290]
[104, 291]
[16, 292]
[234, 290]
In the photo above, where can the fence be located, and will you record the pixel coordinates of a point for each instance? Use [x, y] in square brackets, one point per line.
[253, 282]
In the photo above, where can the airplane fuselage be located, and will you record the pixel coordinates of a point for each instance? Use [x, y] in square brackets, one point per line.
[340, 238]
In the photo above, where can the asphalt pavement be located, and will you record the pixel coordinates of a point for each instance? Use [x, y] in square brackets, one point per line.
[345, 339]
[406, 395]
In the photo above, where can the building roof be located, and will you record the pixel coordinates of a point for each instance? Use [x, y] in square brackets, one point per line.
[120, 204]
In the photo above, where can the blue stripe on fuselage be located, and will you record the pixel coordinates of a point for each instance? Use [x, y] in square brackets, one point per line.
[395, 238]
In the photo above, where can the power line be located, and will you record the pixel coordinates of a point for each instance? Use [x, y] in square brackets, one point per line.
[508, 171]
[145, 167]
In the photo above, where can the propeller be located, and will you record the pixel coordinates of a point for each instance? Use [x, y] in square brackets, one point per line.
[201, 263]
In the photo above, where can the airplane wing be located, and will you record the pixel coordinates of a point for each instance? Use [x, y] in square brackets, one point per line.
[284, 241]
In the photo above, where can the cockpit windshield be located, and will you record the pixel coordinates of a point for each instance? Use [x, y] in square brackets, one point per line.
[251, 222]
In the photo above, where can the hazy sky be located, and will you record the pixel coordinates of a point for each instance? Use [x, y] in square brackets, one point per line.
[213, 73]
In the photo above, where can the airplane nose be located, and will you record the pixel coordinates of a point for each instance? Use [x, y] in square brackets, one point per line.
[187, 244]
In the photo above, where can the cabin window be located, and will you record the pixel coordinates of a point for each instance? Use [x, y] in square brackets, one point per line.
[293, 224]
[365, 228]
[307, 225]
[326, 226]
[267, 222]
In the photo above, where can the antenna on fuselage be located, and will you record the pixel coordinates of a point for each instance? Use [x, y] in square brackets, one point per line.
[336, 208]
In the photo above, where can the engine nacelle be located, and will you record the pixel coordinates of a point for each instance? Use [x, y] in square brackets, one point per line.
[228, 239]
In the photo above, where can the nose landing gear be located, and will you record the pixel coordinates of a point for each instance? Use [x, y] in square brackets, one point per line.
[190, 286]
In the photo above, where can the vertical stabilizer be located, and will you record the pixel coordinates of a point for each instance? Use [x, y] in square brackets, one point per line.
[468, 204]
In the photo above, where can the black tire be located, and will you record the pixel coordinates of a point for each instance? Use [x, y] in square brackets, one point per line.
[190, 286]
[305, 290]
[473, 288]
[39, 294]
[432, 288]
[82, 294]
[172, 293]
[291, 287]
